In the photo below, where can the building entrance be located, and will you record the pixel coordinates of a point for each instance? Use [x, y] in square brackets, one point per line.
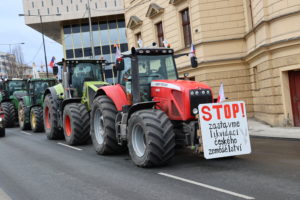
[294, 78]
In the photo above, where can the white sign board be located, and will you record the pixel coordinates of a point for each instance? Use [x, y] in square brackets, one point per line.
[224, 129]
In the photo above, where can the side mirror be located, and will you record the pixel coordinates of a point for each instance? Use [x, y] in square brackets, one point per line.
[55, 70]
[194, 62]
[120, 65]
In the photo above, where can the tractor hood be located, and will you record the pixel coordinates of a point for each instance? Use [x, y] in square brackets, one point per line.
[20, 94]
[179, 85]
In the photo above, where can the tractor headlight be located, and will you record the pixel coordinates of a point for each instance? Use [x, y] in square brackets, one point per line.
[203, 92]
[195, 111]
[197, 93]
[207, 92]
[192, 93]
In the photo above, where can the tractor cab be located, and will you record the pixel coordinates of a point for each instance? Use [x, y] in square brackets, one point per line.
[152, 64]
[16, 87]
[37, 87]
[77, 72]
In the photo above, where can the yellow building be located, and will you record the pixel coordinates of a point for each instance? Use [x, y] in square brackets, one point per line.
[252, 46]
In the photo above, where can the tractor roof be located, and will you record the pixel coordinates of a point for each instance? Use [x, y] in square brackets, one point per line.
[42, 79]
[82, 61]
[149, 50]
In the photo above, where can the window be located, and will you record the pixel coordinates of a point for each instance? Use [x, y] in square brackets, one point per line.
[115, 3]
[48, 10]
[62, 2]
[96, 5]
[76, 7]
[160, 34]
[39, 12]
[52, 2]
[186, 27]
[105, 4]
[32, 4]
[67, 9]
[71, 1]
[121, 23]
[138, 37]
[28, 12]
[78, 53]
[57, 9]
[42, 3]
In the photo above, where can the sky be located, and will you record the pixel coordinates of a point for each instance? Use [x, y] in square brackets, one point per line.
[14, 30]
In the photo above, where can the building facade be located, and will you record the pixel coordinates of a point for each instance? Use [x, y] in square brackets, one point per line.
[252, 46]
[71, 28]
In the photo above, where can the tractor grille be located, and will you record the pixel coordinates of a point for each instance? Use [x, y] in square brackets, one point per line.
[199, 96]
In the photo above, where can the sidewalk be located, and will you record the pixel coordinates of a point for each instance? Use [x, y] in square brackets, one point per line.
[257, 128]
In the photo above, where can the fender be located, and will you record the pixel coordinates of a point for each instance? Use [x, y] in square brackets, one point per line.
[67, 101]
[55, 92]
[116, 94]
[140, 106]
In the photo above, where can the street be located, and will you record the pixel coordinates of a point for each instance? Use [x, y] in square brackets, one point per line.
[34, 168]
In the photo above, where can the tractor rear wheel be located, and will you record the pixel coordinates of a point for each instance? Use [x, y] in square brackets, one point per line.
[50, 115]
[22, 115]
[151, 139]
[103, 133]
[36, 119]
[2, 132]
[76, 124]
[10, 115]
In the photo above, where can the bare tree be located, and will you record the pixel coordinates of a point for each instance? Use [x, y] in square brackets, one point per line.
[16, 66]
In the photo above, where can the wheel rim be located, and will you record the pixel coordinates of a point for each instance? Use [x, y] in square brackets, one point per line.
[68, 127]
[21, 116]
[138, 140]
[33, 120]
[47, 117]
[98, 126]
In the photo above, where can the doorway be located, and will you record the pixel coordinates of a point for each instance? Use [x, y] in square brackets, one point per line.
[294, 79]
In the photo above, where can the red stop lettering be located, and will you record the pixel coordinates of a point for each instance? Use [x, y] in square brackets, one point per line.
[205, 110]
[217, 108]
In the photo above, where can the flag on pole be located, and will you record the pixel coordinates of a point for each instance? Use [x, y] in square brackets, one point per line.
[193, 51]
[140, 43]
[221, 96]
[118, 53]
[52, 62]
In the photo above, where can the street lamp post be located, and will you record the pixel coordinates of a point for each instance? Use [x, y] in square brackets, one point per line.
[43, 37]
[12, 44]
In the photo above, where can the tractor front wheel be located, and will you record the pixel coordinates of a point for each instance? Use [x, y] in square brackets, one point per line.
[36, 119]
[76, 124]
[50, 116]
[22, 115]
[10, 115]
[103, 133]
[151, 139]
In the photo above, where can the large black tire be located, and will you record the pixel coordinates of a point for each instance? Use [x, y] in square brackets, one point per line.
[76, 124]
[103, 132]
[50, 116]
[23, 113]
[2, 132]
[151, 139]
[10, 114]
[36, 119]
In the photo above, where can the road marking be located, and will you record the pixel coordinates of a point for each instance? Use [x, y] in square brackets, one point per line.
[3, 195]
[69, 146]
[26, 133]
[207, 186]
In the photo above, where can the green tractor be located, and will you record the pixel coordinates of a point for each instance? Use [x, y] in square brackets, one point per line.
[30, 109]
[67, 105]
[13, 90]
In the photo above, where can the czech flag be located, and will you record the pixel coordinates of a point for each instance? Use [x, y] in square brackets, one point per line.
[118, 52]
[51, 64]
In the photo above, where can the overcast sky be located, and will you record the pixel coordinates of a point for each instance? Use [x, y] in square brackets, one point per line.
[14, 30]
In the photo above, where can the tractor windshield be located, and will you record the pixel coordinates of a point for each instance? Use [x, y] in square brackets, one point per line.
[157, 67]
[39, 87]
[85, 72]
[16, 86]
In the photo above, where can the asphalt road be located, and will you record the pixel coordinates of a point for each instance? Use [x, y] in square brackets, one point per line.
[34, 168]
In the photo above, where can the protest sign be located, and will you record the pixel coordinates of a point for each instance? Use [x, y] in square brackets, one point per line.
[224, 129]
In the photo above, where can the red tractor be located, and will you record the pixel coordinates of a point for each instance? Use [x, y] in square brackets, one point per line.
[150, 109]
